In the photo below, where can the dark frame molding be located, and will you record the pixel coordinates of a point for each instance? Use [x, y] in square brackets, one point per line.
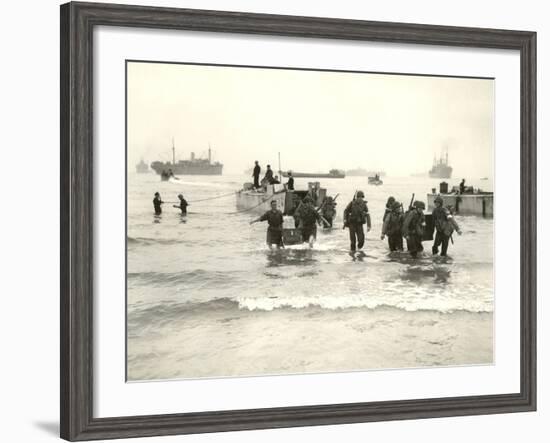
[76, 207]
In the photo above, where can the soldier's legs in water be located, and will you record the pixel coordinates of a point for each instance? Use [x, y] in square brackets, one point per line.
[415, 245]
[399, 241]
[438, 240]
[351, 228]
[445, 244]
[360, 236]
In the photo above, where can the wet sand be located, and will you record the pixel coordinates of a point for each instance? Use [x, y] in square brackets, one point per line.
[218, 339]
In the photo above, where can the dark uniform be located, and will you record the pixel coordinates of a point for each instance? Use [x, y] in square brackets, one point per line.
[157, 202]
[444, 226]
[256, 175]
[393, 219]
[329, 210]
[183, 206]
[413, 228]
[290, 183]
[307, 218]
[355, 216]
[268, 177]
[274, 219]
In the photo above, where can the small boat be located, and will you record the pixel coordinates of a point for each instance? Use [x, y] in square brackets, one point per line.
[375, 181]
[333, 173]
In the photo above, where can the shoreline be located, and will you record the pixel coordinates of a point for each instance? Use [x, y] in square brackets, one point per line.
[222, 340]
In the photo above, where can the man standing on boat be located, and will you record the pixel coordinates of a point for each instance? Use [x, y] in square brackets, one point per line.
[256, 174]
[268, 177]
[290, 182]
[356, 215]
[445, 225]
[274, 219]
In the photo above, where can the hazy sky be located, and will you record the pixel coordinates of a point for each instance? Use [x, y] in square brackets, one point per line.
[316, 120]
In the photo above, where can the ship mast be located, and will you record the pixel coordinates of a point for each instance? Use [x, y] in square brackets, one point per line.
[173, 152]
[209, 153]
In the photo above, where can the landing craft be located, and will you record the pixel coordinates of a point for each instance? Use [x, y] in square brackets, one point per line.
[375, 180]
[333, 173]
[259, 201]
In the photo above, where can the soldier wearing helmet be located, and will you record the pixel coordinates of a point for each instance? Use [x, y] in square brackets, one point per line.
[391, 227]
[183, 205]
[445, 225]
[413, 227]
[356, 215]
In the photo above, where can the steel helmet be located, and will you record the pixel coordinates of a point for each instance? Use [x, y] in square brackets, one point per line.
[438, 199]
[360, 194]
[419, 205]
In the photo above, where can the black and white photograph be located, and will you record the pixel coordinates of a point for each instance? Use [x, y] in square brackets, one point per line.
[298, 221]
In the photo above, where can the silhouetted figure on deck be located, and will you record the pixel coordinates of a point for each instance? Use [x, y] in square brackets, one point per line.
[290, 182]
[256, 174]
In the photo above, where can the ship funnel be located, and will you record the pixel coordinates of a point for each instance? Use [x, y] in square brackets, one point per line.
[192, 156]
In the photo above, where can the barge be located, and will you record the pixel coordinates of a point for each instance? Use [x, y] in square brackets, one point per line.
[480, 203]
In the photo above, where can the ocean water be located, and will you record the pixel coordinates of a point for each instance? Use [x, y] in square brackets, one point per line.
[214, 260]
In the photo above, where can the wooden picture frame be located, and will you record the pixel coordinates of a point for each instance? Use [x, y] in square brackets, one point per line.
[77, 23]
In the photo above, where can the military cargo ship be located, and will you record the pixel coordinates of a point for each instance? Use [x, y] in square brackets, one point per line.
[441, 167]
[193, 166]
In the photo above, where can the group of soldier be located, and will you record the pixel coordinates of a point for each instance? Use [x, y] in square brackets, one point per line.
[397, 223]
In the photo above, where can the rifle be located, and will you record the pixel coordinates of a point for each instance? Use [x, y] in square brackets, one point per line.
[411, 203]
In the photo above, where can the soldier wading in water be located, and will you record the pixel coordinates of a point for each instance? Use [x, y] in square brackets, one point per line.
[413, 228]
[274, 218]
[393, 219]
[445, 225]
[307, 218]
[356, 215]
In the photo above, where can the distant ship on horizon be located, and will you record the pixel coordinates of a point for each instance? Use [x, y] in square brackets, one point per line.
[441, 167]
[193, 166]
[142, 167]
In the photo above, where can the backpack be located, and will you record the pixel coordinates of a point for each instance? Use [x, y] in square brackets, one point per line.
[409, 223]
[308, 215]
[357, 212]
[394, 223]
